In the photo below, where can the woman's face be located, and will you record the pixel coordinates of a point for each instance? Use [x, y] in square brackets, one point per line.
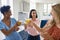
[33, 14]
[53, 13]
[8, 14]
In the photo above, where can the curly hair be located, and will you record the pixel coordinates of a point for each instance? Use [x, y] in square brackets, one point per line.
[4, 9]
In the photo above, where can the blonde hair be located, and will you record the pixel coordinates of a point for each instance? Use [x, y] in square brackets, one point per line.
[50, 23]
[56, 8]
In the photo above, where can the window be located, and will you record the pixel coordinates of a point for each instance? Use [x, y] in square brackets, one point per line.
[47, 9]
[43, 10]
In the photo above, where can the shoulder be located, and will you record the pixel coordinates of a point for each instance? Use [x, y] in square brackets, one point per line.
[49, 21]
[37, 19]
[13, 19]
[48, 25]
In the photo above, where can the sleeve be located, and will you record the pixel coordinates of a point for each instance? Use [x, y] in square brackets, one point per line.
[14, 20]
[1, 26]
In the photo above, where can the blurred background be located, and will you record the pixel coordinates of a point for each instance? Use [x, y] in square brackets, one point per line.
[21, 8]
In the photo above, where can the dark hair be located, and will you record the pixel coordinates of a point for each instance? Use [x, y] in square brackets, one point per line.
[4, 9]
[30, 16]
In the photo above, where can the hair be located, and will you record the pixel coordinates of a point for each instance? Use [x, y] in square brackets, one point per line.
[30, 16]
[56, 8]
[50, 23]
[4, 9]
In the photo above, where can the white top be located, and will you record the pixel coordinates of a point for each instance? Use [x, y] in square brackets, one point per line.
[32, 30]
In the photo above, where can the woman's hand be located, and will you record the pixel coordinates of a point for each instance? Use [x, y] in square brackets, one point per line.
[30, 23]
[16, 26]
[17, 29]
[18, 23]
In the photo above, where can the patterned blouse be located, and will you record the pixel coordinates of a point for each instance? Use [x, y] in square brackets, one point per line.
[54, 31]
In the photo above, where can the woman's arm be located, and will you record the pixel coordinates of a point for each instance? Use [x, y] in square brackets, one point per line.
[9, 31]
[43, 31]
[48, 25]
[38, 28]
[45, 28]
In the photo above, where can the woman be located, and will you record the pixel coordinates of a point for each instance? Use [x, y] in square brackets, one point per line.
[33, 33]
[52, 29]
[8, 25]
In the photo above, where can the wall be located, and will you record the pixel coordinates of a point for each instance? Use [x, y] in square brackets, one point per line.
[39, 8]
[16, 8]
[26, 6]
[20, 6]
[0, 3]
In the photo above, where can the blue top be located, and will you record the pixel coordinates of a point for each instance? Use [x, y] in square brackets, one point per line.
[13, 35]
